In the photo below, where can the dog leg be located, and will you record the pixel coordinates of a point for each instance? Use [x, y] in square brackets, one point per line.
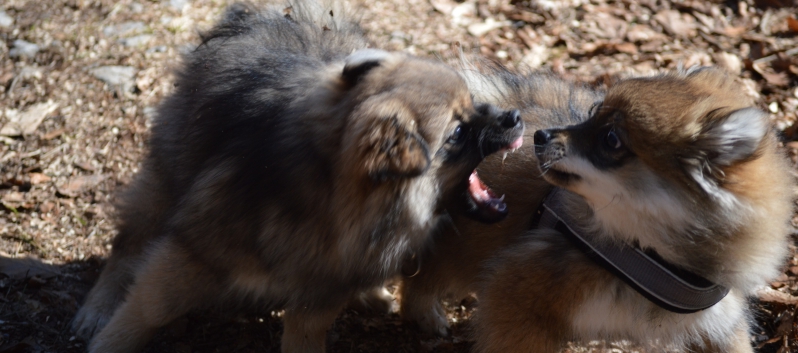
[498, 331]
[144, 200]
[104, 297]
[168, 286]
[739, 342]
[305, 331]
[425, 310]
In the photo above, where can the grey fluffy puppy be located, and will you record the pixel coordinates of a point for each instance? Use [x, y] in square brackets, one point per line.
[293, 167]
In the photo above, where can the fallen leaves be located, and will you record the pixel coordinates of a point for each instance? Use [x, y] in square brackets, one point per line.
[25, 123]
[677, 23]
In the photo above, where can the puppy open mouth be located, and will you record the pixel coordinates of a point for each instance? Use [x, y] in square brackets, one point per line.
[484, 204]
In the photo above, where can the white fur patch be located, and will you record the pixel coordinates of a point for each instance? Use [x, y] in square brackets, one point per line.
[737, 137]
[625, 314]
[483, 87]
[363, 56]
[644, 215]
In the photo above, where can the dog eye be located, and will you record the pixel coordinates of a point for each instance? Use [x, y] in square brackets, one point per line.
[612, 140]
[457, 135]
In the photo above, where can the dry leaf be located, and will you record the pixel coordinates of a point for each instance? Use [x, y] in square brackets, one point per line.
[85, 166]
[776, 78]
[642, 33]
[627, 48]
[53, 134]
[443, 6]
[729, 62]
[38, 178]
[677, 23]
[79, 184]
[733, 31]
[773, 78]
[792, 24]
[25, 123]
[480, 29]
[46, 206]
[14, 197]
[785, 326]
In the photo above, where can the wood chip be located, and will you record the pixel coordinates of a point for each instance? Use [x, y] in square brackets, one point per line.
[38, 178]
[773, 296]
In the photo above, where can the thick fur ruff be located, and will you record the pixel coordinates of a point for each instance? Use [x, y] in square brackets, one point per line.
[292, 167]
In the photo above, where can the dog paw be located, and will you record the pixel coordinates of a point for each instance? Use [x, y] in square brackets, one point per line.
[430, 318]
[376, 300]
[90, 320]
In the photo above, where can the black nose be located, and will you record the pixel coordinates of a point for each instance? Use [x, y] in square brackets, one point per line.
[542, 137]
[510, 118]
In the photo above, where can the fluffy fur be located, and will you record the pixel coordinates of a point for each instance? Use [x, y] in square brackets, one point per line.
[677, 163]
[450, 266]
[292, 167]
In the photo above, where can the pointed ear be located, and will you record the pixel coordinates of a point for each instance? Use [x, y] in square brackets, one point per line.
[395, 151]
[359, 63]
[735, 138]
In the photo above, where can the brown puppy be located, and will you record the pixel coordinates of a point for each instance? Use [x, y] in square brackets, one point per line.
[294, 168]
[679, 164]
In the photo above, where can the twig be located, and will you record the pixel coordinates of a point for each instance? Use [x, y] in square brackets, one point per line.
[773, 296]
[772, 57]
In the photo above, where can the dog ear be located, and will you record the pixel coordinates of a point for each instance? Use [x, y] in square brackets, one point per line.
[395, 151]
[735, 137]
[359, 63]
[238, 12]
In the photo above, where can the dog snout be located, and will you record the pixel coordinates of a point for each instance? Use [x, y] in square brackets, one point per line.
[542, 137]
[510, 119]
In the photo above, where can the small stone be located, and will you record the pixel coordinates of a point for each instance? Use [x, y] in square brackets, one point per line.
[178, 4]
[136, 41]
[136, 7]
[157, 49]
[773, 107]
[126, 28]
[5, 20]
[116, 76]
[23, 48]
[729, 62]
[479, 29]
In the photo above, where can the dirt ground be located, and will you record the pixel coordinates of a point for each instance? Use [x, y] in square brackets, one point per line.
[80, 79]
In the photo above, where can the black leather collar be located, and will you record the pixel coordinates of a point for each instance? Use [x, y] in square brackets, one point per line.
[663, 283]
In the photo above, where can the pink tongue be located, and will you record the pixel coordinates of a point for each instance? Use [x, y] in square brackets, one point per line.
[479, 191]
[517, 143]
